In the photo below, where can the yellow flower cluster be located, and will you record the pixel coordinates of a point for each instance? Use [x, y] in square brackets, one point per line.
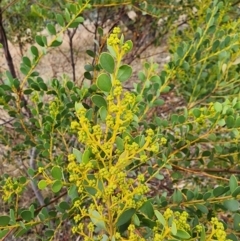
[113, 38]
[53, 109]
[133, 236]
[168, 213]
[9, 188]
[218, 230]
[181, 220]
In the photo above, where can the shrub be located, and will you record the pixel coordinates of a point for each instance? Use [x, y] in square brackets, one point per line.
[95, 156]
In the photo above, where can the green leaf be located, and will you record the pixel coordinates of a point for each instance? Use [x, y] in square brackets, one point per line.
[181, 234]
[24, 70]
[107, 62]
[196, 113]
[124, 72]
[236, 192]
[70, 85]
[177, 196]
[87, 75]
[67, 15]
[103, 113]
[26, 215]
[203, 234]
[77, 154]
[215, 45]
[56, 173]
[35, 87]
[231, 205]
[89, 114]
[43, 86]
[174, 228]
[180, 52]
[97, 219]
[207, 195]
[181, 119]
[125, 217]
[56, 186]
[237, 123]
[218, 106]
[218, 191]
[79, 19]
[232, 237]
[51, 29]
[100, 31]
[73, 192]
[190, 195]
[60, 20]
[3, 233]
[64, 205]
[27, 61]
[236, 222]
[233, 183]
[135, 220]
[16, 83]
[202, 208]
[39, 40]
[90, 53]
[42, 184]
[165, 89]
[85, 156]
[4, 220]
[119, 143]
[99, 101]
[104, 82]
[12, 217]
[160, 217]
[158, 102]
[56, 43]
[230, 122]
[147, 209]
[49, 233]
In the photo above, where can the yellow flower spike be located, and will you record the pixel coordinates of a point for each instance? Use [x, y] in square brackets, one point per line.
[75, 125]
[163, 141]
[71, 157]
[116, 30]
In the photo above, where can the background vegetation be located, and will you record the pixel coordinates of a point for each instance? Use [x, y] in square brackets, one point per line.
[94, 158]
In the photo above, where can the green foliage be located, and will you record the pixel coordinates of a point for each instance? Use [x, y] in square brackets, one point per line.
[95, 152]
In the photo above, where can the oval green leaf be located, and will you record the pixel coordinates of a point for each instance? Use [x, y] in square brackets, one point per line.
[85, 156]
[56, 173]
[183, 235]
[236, 222]
[160, 217]
[107, 62]
[104, 82]
[97, 219]
[99, 101]
[231, 205]
[236, 192]
[56, 186]
[26, 215]
[42, 184]
[51, 29]
[125, 217]
[4, 220]
[103, 113]
[124, 72]
[233, 183]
